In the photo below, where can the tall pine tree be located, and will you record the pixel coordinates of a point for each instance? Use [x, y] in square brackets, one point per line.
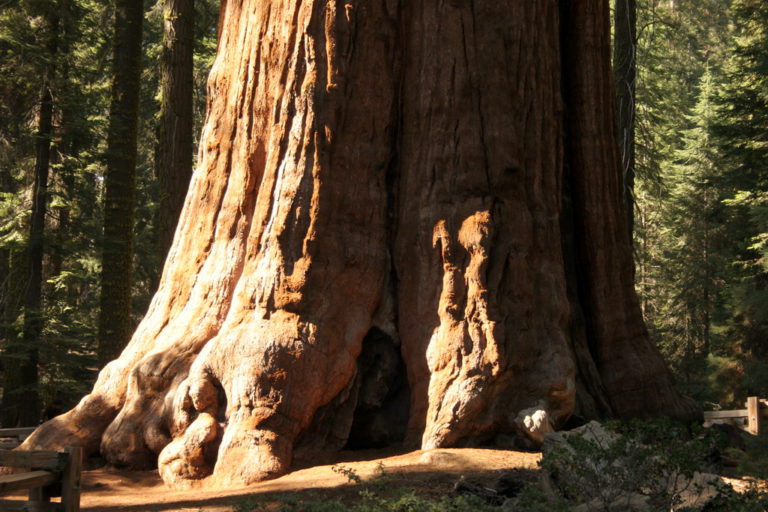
[115, 326]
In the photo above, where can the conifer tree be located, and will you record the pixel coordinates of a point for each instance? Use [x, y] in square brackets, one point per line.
[695, 256]
[625, 71]
[742, 133]
[115, 324]
[174, 165]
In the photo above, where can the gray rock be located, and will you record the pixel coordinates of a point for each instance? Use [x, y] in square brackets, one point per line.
[535, 423]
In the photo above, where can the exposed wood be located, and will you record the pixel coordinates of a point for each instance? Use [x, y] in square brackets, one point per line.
[16, 432]
[10, 438]
[70, 480]
[38, 459]
[29, 506]
[40, 494]
[748, 419]
[737, 413]
[53, 474]
[20, 481]
[753, 416]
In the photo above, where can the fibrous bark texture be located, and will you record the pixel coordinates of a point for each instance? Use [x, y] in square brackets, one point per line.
[175, 151]
[120, 182]
[625, 72]
[406, 225]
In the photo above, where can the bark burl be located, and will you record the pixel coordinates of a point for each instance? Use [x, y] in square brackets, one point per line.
[406, 213]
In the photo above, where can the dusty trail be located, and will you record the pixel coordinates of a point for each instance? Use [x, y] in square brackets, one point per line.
[433, 471]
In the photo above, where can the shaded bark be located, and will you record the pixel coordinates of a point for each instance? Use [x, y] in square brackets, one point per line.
[115, 325]
[625, 72]
[26, 397]
[439, 178]
[176, 117]
[631, 369]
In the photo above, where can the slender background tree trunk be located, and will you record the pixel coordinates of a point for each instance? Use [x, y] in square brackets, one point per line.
[176, 117]
[13, 270]
[625, 72]
[21, 399]
[115, 324]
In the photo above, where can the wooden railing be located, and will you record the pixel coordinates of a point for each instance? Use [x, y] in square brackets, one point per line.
[12, 437]
[48, 474]
[747, 419]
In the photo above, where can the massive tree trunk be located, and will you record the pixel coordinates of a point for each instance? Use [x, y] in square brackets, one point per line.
[386, 189]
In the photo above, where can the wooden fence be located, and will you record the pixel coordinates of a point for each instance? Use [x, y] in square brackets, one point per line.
[747, 419]
[10, 438]
[48, 474]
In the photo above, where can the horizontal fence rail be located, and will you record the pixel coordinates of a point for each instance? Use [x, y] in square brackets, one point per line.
[12, 437]
[747, 419]
[45, 475]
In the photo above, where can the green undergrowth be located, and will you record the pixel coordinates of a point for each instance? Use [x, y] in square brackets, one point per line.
[384, 492]
[753, 459]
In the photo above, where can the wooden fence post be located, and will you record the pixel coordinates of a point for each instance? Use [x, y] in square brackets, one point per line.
[70, 480]
[753, 415]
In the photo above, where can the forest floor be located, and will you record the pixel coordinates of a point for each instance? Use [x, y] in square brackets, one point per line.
[427, 473]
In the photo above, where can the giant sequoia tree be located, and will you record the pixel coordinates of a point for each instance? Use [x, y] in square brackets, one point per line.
[410, 210]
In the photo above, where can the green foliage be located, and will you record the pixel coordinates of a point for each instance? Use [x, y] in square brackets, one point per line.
[381, 493]
[752, 461]
[81, 89]
[349, 473]
[729, 500]
[702, 191]
[650, 463]
[657, 461]
[367, 501]
[645, 458]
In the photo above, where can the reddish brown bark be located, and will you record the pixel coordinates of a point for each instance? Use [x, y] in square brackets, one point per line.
[438, 181]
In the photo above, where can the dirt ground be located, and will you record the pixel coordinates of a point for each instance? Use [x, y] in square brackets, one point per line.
[429, 472]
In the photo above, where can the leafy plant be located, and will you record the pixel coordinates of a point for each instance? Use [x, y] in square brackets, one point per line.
[649, 465]
[350, 473]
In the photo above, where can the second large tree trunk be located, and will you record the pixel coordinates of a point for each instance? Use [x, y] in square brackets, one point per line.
[115, 323]
[175, 152]
[428, 189]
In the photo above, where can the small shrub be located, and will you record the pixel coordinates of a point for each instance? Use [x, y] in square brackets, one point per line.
[754, 461]
[349, 473]
[649, 465]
